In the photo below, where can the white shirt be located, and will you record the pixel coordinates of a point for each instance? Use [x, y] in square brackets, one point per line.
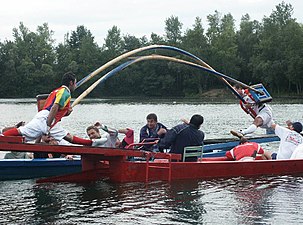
[289, 141]
[298, 152]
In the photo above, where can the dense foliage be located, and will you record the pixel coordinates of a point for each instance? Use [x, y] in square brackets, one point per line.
[270, 52]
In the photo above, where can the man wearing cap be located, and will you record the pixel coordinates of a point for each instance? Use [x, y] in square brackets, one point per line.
[290, 138]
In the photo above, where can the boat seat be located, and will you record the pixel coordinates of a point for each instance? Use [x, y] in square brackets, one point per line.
[192, 151]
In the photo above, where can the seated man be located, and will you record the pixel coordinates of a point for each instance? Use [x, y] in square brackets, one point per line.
[152, 130]
[184, 135]
[247, 151]
[114, 140]
[103, 140]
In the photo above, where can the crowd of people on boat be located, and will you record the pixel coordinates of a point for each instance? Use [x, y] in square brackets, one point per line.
[45, 128]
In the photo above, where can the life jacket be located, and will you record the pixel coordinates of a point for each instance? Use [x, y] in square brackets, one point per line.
[249, 110]
[248, 149]
[61, 96]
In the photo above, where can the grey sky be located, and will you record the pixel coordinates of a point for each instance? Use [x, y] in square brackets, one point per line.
[134, 17]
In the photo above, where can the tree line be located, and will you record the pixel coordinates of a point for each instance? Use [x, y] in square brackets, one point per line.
[268, 52]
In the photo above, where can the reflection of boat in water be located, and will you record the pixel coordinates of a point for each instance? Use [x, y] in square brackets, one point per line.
[114, 164]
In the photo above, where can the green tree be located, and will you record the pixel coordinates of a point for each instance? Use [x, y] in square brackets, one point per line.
[131, 42]
[247, 39]
[195, 42]
[85, 53]
[113, 43]
[8, 73]
[156, 39]
[173, 30]
[271, 60]
[223, 46]
[33, 51]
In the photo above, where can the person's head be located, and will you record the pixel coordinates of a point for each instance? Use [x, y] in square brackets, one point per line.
[196, 120]
[152, 120]
[69, 80]
[93, 132]
[49, 140]
[296, 126]
[239, 89]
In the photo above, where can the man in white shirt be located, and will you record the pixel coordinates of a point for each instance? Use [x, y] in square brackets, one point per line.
[290, 138]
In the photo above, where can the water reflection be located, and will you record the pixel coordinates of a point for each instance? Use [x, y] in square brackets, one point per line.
[239, 200]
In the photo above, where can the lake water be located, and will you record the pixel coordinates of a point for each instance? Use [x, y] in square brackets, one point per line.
[264, 200]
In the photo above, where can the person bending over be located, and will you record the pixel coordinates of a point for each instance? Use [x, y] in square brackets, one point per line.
[247, 151]
[47, 121]
[184, 135]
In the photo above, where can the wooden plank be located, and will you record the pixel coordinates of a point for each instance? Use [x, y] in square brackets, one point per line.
[80, 150]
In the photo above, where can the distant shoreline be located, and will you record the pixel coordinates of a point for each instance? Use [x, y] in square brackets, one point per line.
[164, 100]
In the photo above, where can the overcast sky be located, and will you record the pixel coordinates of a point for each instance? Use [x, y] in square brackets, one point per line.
[134, 17]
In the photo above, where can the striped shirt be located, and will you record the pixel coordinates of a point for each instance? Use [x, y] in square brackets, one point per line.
[59, 96]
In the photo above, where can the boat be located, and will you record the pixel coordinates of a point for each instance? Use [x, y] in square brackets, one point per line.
[218, 147]
[118, 165]
[16, 169]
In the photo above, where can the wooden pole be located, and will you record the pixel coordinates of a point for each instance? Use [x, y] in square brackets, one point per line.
[153, 57]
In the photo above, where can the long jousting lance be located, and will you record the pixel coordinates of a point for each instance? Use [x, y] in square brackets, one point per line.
[154, 47]
[154, 57]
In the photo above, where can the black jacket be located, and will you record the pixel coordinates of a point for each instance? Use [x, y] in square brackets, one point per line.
[181, 136]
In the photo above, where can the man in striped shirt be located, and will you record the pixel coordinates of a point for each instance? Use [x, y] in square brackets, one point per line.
[46, 121]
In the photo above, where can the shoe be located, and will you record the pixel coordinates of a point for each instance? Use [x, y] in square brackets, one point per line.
[236, 133]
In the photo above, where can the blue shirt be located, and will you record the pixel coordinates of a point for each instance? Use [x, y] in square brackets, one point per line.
[181, 136]
[146, 133]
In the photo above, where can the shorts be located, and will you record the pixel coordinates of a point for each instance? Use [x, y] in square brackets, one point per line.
[266, 115]
[37, 127]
